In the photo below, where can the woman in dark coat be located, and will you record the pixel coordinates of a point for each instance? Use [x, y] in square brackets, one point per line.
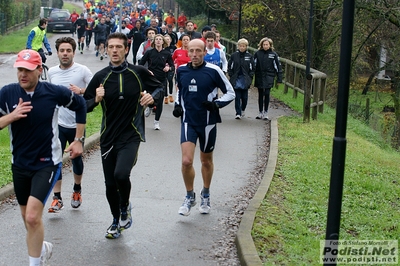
[159, 63]
[267, 67]
[241, 71]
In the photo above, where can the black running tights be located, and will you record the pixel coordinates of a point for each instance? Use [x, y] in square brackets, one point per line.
[263, 99]
[117, 165]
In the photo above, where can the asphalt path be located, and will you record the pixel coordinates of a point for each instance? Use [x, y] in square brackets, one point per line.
[159, 236]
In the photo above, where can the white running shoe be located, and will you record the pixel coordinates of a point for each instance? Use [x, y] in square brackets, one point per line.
[237, 117]
[114, 231]
[243, 114]
[265, 116]
[126, 217]
[156, 125]
[187, 204]
[260, 116]
[147, 111]
[46, 253]
[205, 206]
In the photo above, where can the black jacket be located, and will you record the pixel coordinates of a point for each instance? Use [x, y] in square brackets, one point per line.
[101, 31]
[156, 62]
[241, 64]
[137, 35]
[194, 34]
[123, 118]
[267, 67]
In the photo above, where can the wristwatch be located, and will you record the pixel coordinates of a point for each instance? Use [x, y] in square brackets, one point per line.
[81, 139]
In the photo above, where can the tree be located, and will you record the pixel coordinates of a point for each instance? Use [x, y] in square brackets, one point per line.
[377, 25]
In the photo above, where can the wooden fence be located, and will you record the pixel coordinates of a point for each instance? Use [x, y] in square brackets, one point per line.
[313, 86]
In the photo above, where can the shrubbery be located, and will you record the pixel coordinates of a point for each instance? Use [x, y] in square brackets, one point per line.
[21, 11]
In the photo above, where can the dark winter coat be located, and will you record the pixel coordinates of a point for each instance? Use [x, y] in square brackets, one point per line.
[137, 35]
[241, 64]
[267, 67]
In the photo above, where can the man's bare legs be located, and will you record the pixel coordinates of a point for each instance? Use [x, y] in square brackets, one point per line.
[32, 216]
[188, 173]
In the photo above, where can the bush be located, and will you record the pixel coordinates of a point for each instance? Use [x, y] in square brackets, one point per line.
[16, 12]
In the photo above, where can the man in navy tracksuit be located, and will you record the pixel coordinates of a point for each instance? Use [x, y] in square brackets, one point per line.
[30, 109]
[197, 103]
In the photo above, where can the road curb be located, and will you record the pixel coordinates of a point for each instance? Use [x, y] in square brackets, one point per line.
[91, 141]
[247, 252]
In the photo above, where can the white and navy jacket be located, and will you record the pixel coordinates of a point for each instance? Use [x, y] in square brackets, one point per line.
[200, 84]
[34, 139]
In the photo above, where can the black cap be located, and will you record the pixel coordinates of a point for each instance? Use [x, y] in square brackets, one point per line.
[206, 28]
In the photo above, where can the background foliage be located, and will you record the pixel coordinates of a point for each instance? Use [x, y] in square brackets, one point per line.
[376, 29]
[16, 12]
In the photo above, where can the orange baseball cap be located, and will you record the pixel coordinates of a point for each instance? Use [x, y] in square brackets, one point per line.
[28, 59]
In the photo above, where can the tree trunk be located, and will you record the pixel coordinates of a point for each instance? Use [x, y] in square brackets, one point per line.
[368, 84]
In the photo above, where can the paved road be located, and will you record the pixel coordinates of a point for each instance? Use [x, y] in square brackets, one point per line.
[159, 236]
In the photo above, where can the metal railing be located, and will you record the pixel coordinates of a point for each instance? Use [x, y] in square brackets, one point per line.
[313, 86]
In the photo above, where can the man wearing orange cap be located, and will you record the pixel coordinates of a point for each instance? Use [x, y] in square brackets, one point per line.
[30, 108]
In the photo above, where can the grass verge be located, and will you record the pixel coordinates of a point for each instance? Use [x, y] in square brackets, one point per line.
[16, 41]
[13, 43]
[93, 123]
[292, 218]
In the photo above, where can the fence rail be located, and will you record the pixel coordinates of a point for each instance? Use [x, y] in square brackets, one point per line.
[313, 86]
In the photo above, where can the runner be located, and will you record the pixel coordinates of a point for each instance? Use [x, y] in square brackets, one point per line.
[122, 124]
[29, 108]
[75, 77]
[198, 105]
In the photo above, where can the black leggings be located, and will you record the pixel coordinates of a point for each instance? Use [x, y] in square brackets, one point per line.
[118, 162]
[263, 99]
[68, 135]
[88, 37]
[170, 78]
[160, 101]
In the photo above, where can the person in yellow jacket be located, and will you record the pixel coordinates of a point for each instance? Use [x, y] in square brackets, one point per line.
[37, 37]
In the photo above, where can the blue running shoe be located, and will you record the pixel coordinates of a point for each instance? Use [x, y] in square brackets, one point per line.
[205, 205]
[126, 217]
[114, 231]
[188, 203]
[97, 53]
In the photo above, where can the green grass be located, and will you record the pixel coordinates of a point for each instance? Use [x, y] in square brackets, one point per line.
[13, 43]
[93, 122]
[292, 218]
[71, 8]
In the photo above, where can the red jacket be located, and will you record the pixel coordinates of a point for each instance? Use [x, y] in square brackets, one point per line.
[182, 21]
[74, 17]
[180, 57]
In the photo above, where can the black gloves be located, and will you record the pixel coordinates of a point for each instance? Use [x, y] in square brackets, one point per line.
[178, 111]
[210, 106]
[50, 53]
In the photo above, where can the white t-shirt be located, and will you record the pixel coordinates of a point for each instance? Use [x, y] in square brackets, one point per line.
[78, 75]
